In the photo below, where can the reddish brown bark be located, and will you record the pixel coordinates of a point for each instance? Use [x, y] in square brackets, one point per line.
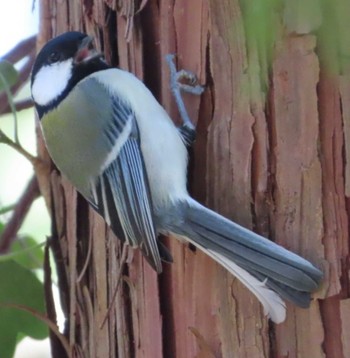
[271, 153]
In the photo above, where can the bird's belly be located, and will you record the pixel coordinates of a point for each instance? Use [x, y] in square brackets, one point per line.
[165, 158]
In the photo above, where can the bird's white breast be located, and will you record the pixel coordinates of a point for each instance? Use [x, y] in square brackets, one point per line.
[163, 150]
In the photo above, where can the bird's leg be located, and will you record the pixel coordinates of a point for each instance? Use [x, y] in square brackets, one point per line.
[187, 130]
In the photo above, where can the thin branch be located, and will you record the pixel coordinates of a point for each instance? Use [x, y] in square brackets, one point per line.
[52, 326]
[26, 70]
[7, 208]
[12, 106]
[7, 140]
[25, 202]
[19, 105]
[24, 74]
[25, 250]
[21, 50]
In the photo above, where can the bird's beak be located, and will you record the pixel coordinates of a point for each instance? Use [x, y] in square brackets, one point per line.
[86, 51]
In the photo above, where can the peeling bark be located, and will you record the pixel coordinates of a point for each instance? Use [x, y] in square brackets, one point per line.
[271, 153]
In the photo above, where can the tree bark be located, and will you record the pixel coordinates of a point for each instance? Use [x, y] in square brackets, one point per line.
[271, 153]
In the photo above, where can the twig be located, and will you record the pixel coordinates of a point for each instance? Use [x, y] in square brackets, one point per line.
[19, 105]
[53, 327]
[12, 106]
[6, 140]
[7, 208]
[24, 251]
[21, 50]
[25, 202]
[26, 70]
[22, 78]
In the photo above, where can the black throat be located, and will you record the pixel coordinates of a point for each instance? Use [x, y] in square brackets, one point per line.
[80, 71]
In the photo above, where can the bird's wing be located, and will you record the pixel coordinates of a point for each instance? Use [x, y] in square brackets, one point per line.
[121, 193]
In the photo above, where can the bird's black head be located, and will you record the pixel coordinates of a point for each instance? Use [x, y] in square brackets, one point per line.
[60, 65]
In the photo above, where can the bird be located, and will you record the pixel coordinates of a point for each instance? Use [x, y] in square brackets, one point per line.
[110, 137]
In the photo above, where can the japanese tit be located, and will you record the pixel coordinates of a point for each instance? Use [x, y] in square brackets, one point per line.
[110, 137]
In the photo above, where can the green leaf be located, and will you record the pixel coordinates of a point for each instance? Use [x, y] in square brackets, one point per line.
[6, 209]
[19, 286]
[27, 252]
[9, 76]
[9, 73]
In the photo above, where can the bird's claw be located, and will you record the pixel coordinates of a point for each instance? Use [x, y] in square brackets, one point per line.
[191, 86]
[187, 130]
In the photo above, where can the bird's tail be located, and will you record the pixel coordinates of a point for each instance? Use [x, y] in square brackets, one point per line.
[261, 265]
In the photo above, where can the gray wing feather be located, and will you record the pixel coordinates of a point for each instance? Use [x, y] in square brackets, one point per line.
[121, 193]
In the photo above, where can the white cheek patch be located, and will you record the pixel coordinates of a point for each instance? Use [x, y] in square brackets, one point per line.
[51, 81]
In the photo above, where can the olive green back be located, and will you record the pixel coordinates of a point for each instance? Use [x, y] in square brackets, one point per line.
[74, 133]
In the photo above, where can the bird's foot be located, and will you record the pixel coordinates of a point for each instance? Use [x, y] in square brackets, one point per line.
[177, 78]
[191, 86]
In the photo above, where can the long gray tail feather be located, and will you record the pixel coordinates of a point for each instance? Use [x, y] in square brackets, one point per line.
[291, 276]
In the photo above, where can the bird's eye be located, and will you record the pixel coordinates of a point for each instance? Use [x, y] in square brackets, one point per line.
[54, 57]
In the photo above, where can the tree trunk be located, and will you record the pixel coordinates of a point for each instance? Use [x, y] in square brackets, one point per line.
[271, 153]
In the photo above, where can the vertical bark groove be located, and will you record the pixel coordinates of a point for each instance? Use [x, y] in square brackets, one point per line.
[271, 153]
